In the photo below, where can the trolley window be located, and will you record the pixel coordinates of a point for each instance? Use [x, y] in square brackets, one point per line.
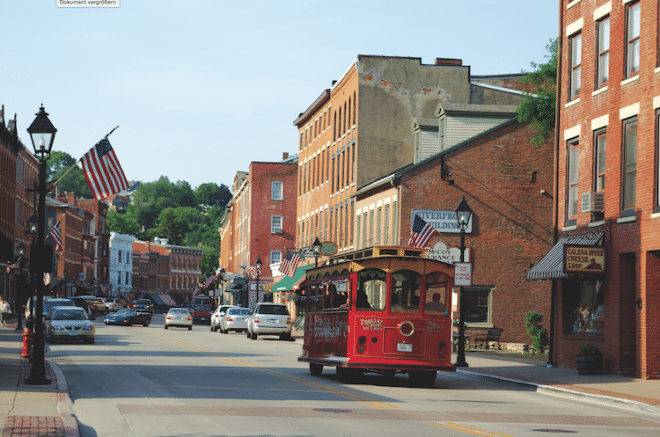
[371, 290]
[436, 294]
[405, 292]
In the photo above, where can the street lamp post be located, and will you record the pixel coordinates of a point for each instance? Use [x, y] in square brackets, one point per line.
[316, 247]
[42, 133]
[463, 214]
[257, 265]
[18, 302]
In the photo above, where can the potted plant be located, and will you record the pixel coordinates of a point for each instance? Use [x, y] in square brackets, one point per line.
[590, 360]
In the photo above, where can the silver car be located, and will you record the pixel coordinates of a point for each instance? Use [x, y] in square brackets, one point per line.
[217, 314]
[179, 317]
[69, 323]
[269, 319]
[234, 319]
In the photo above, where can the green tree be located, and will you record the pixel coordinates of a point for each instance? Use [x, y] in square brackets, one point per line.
[209, 261]
[539, 106]
[74, 181]
[125, 223]
[169, 226]
[211, 194]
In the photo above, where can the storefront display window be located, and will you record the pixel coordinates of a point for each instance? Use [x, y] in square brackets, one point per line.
[584, 309]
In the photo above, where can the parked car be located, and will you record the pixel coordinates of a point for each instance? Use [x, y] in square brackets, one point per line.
[32, 303]
[217, 314]
[129, 317]
[114, 303]
[70, 323]
[269, 319]
[201, 312]
[96, 305]
[234, 319]
[144, 305]
[179, 317]
[52, 303]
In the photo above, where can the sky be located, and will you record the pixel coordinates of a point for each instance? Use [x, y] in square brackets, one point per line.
[201, 88]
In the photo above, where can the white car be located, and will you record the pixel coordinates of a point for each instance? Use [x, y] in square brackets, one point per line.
[269, 319]
[69, 323]
[179, 317]
[217, 314]
[234, 319]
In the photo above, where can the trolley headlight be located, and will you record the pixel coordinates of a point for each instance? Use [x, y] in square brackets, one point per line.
[406, 328]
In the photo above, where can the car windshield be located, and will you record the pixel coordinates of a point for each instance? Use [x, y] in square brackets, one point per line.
[70, 315]
[124, 312]
[239, 312]
[278, 310]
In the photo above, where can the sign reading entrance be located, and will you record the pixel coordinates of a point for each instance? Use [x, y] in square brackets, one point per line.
[584, 259]
[463, 274]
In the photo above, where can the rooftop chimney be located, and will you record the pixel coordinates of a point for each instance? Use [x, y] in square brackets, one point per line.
[285, 156]
[449, 62]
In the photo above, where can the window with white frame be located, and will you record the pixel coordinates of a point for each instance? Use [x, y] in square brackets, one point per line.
[276, 224]
[573, 177]
[276, 191]
[633, 30]
[576, 65]
[603, 65]
[275, 256]
[600, 142]
[629, 164]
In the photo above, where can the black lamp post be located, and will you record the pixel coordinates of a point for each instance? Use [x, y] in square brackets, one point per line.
[463, 214]
[257, 265]
[18, 301]
[316, 247]
[42, 133]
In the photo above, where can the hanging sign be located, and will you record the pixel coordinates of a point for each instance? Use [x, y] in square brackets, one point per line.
[584, 259]
[463, 274]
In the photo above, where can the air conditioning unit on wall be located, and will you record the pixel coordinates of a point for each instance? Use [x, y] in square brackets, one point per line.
[593, 202]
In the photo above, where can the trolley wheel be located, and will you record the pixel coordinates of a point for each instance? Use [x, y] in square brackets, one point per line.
[419, 378]
[345, 374]
[315, 369]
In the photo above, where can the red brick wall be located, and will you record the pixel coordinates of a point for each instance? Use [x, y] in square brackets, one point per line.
[501, 176]
[631, 337]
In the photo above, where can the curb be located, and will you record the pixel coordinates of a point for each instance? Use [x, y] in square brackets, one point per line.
[558, 391]
[64, 404]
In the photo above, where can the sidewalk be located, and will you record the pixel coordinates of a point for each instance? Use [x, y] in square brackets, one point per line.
[532, 371]
[31, 410]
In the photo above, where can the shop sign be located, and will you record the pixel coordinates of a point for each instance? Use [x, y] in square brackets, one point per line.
[442, 221]
[328, 248]
[449, 255]
[584, 259]
[463, 274]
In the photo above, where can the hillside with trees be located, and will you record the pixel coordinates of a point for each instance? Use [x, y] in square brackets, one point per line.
[186, 216]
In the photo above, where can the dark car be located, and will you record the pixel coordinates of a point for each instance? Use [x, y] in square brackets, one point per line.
[59, 302]
[201, 313]
[144, 305]
[128, 317]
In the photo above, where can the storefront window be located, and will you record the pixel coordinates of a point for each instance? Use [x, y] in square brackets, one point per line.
[584, 309]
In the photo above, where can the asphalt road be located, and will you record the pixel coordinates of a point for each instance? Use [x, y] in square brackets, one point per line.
[138, 381]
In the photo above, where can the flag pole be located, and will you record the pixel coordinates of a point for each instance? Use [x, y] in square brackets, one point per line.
[77, 162]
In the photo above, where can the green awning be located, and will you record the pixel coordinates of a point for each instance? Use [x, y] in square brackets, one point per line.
[287, 283]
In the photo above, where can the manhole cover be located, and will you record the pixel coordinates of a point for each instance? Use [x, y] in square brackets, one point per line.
[331, 410]
[565, 431]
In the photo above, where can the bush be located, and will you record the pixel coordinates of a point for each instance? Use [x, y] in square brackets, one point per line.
[536, 331]
[589, 350]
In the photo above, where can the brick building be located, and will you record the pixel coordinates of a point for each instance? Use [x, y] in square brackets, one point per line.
[608, 185]
[259, 223]
[185, 270]
[151, 269]
[359, 131]
[503, 178]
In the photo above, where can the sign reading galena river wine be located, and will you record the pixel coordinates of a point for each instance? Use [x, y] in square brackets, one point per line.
[584, 259]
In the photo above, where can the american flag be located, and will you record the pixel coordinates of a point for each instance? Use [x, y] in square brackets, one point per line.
[56, 233]
[289, 263]
[102, 170]
[420, 232]
[46, 278]
[251, 271]
[12, 267]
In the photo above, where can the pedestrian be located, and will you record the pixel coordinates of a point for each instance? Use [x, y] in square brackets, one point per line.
[5, 311]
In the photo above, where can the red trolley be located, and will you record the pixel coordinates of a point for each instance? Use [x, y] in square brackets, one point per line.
[384, 309]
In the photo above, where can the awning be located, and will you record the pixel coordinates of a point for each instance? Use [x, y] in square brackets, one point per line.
[288, 282]
[551, 265]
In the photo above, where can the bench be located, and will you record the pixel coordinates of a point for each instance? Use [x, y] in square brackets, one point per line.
[484, 338]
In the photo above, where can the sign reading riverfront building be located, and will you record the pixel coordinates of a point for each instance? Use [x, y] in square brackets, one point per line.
[442, 221]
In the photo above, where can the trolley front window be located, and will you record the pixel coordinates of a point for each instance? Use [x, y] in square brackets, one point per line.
[437, 294]
[372, 286]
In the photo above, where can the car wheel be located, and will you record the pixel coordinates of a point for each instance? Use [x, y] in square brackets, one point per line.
[253, 336]
[189, 328]
[225, 331]
[90, 341]
[247, 333]
[145, 324]
[165, 326]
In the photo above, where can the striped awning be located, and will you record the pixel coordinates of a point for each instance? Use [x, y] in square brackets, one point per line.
[551, 265]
